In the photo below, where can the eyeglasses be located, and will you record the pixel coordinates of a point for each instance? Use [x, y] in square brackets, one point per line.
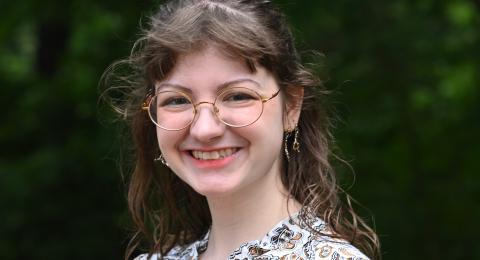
[234, 106]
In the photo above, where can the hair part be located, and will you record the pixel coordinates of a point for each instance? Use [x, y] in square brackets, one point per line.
[257, 32]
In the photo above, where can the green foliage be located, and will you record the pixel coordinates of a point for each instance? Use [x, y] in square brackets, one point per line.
[405, 76]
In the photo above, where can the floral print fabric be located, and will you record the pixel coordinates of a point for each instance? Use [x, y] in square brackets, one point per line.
[290, 239]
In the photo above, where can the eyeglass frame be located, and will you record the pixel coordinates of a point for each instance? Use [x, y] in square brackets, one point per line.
[147, 104]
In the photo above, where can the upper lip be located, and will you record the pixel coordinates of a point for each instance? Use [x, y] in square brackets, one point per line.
[210, 149]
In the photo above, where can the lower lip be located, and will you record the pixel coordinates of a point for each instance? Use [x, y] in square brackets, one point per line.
[213, 164]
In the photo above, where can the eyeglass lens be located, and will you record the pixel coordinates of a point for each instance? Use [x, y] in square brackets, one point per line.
[236, 107]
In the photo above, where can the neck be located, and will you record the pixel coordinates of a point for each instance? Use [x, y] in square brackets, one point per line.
[247, 215]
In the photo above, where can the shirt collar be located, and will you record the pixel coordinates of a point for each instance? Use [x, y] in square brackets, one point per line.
[278, 236]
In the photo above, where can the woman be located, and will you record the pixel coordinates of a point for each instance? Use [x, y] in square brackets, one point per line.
[231, 141]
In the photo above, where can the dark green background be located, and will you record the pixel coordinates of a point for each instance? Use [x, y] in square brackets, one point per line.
[405, 76]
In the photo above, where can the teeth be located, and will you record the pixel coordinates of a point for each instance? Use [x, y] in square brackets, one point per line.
[213, 155]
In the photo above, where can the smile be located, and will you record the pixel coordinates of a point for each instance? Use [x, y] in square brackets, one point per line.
[213, 155]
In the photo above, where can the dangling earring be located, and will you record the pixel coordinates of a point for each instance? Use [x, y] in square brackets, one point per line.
[295, 145]
[161, 159]
[285, 144]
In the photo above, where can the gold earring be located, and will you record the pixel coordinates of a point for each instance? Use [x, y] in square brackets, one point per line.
[161, 159]
[296, 144]
[285, 144]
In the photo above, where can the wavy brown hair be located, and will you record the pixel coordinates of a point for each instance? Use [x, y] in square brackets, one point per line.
[165, 210]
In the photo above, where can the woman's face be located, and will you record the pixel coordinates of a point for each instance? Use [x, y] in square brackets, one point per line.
[250, 156]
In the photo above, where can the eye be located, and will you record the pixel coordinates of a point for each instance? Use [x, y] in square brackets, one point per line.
[175, 101]
[238, 97]
[172, 100]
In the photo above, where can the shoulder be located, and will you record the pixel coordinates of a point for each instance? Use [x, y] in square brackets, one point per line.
[294, 240]
[189, 251]
[178, 252]
[304, 245]
[334, 250]
[145, 257]
[319, 244]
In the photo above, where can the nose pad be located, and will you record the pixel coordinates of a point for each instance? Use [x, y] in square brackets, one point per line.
[213, 111]
[206, 125]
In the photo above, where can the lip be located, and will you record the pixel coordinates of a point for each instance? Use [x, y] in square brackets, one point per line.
[211, 164]
[210, 149]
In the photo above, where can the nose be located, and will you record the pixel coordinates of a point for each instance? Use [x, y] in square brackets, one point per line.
[206, 126]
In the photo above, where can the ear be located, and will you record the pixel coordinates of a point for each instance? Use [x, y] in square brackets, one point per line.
[293, 107]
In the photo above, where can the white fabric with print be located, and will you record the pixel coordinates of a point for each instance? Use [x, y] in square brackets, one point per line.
[289, 239]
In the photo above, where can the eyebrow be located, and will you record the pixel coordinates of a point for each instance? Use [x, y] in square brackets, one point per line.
[219, 87]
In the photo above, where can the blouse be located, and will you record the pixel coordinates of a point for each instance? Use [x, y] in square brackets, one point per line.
[289, 239]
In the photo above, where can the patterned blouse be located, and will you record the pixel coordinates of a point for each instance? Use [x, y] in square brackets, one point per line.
[288, 240]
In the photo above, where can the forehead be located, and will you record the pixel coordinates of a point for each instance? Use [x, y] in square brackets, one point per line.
[210, 67]
[208, 64]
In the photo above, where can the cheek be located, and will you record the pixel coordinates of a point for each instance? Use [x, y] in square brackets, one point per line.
[166, 140]
[160, 139]
[273, 116]
[270, 128]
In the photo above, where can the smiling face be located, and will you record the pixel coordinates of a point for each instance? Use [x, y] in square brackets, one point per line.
[211, 157]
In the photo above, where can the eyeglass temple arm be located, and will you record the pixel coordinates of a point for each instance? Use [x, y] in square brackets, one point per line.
[146, 103]
[274, 95]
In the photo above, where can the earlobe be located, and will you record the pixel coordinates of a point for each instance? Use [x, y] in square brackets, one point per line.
[293, 107]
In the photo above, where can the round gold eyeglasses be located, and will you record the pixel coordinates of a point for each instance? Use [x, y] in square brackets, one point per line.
[174, 110]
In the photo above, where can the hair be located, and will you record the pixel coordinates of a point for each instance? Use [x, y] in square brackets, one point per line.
[255, 31]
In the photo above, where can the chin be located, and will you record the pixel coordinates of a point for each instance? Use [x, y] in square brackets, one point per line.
[215, 189]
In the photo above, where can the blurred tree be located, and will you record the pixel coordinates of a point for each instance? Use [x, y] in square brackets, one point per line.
[60, 191]
[406, 75]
